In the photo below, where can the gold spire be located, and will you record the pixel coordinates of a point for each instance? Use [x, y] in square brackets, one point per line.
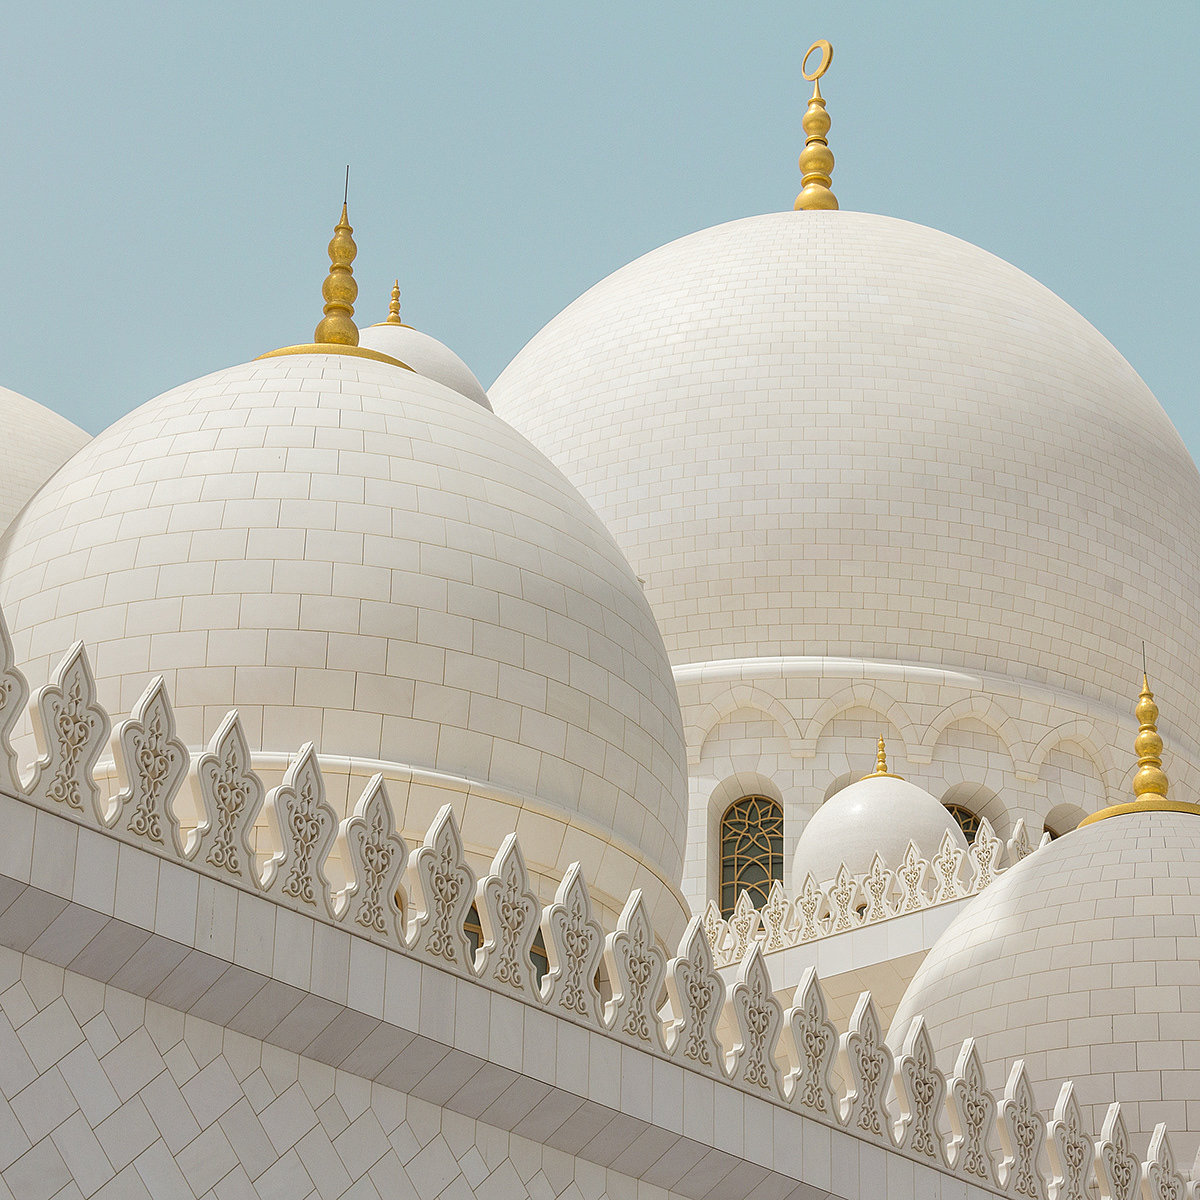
[339, 289]
[337, 333]
[1150, 783]
[881, 765]
[816, 159]
[394, 307]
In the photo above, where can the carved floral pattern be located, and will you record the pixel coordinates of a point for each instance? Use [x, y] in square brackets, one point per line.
[972, 1111]
[697, 996]
[842, 896]
[1160, 1179]
[716, 928]
[71, 730]
[154, 766]
[984, 853]
[1117, 1167]
[867, 1065]
[1023, 1134]
[876, 887]
[911, 877]
[808, 907]
[374, 854]
[574, 944]
[774, 916]
[743, 925]
[1071, 1150]
[814, 1046]
[946, 864]
[508, 916]
[305, 827]
[636, 967]
[921, 1088]
[231, 796]
[759, 1020]
[447, 886]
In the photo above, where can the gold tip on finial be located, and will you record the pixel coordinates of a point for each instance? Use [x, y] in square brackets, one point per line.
[1151, 779]
[1150, 783]
[881, 763]
[339, 289]
[816, 159]
[394, 307]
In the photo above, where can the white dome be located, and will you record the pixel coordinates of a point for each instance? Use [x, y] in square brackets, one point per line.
[37, 441]
[880, 815]
[427, 356]
[353, 554]
[897, 445]
[1084, 960]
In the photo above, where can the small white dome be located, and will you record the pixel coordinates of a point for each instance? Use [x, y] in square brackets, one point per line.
[353, 554]
[427, 356]
[37, 441]
[880, 815]
[1084, 960]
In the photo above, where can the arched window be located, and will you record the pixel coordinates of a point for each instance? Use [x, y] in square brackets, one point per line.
[751, 850]
[968, 821]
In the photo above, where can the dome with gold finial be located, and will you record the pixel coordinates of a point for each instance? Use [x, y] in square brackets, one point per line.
[1084, 960]
[880, 814]
[348, 552]
[423, 353]
[907, 451]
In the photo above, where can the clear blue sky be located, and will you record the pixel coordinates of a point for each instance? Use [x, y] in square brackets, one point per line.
[171, 172]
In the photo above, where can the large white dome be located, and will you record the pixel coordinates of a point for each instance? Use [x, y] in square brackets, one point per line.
[839, 434]
[353, 554]
[1083, 959]
[37, 441]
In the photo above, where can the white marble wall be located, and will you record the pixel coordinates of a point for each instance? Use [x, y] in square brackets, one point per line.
[109, 1096]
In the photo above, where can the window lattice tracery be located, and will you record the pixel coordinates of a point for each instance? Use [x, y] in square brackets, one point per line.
[751, 850]
[968, 821]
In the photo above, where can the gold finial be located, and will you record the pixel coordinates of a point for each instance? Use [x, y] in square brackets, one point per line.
[816, 159]
[881, 764]
[394, 307]
[339, 289]
[1150, 783]
[1151, 779]
[337, 333]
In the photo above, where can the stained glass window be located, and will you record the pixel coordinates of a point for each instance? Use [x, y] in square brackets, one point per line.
[968, 821]
[751, 850]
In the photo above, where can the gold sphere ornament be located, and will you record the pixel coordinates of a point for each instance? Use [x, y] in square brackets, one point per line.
[339, 289]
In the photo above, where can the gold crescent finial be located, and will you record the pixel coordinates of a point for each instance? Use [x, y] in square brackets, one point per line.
[394, 307]
[339, 289]
[1150, 784]
[816, 159]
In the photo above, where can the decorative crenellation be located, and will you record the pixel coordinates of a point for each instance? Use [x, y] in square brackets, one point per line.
[849, 901]
[908, 1107]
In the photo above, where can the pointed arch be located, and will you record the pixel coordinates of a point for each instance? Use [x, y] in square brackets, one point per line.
[740, 696]
[1086, 736]
[987, 711]
[860, 695]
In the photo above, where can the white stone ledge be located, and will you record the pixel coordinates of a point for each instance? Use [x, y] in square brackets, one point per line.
[115, 913]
